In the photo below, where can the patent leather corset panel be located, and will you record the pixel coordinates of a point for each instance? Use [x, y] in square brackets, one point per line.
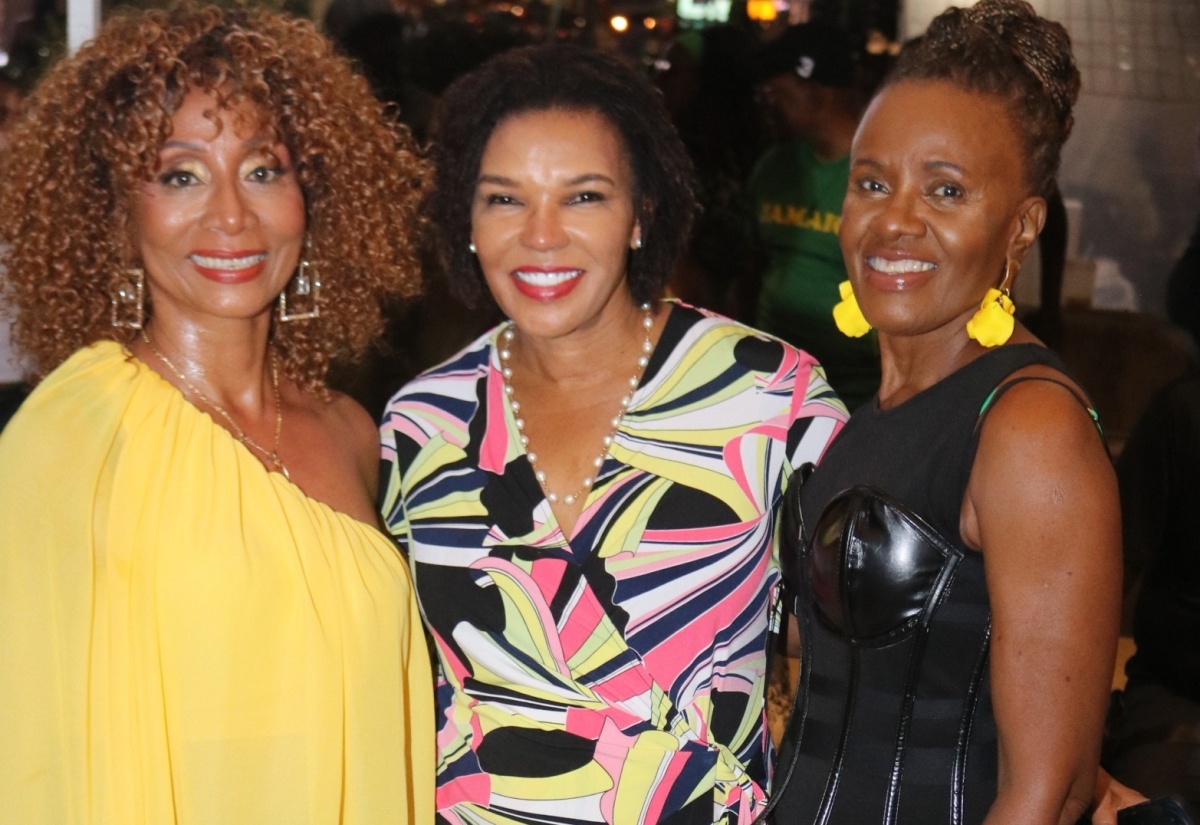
[892, 722]
[893, 719]
[874, 568]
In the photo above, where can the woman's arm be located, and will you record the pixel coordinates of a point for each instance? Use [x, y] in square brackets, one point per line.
[362, 437]
[1042, 505]
[340, 462]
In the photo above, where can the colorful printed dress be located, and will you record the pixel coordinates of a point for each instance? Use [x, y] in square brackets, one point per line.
[618, 678]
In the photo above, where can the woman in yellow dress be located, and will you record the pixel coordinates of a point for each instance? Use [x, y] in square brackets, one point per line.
[199, 619]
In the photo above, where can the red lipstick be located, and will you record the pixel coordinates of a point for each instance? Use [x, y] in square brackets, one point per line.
[226, 267]
[546, 283]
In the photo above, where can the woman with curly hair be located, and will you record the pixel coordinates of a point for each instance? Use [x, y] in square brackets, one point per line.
[201, 621]
[587, 493]
[955, 560]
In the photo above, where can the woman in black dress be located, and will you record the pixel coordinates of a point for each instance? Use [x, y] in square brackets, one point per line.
[958, 580]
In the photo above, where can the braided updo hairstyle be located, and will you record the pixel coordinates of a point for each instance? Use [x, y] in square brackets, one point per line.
[1003, 48]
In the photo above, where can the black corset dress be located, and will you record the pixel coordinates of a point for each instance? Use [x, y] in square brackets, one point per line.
[893, 719]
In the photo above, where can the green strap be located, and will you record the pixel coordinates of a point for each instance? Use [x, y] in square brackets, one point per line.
[1000, 389]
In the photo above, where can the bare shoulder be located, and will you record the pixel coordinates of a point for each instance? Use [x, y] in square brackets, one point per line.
[348, 420]
[331, 449]
[1040, 455]
[1039, 408]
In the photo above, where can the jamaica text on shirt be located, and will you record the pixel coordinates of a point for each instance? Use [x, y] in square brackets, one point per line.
[788, 215]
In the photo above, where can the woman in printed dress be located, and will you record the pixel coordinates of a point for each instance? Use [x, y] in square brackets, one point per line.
[587, 493]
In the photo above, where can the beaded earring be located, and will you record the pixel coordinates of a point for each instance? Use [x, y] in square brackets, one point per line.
[847, 316]
[993, 323]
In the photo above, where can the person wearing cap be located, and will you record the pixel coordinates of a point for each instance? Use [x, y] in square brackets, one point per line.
[806, 81]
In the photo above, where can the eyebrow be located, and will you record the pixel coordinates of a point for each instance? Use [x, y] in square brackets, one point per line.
[944, 165]
[256, 142]
[932, 166]
[593, 177]
[590, 177]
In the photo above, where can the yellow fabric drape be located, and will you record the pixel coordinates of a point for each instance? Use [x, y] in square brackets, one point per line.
[187, 638]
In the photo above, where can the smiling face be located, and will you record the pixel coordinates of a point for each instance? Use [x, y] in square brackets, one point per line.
[937, 203]
[221, 225]
[553, 220]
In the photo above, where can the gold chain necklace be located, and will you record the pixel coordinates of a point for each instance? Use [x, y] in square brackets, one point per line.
[272, 456]
[506, 371]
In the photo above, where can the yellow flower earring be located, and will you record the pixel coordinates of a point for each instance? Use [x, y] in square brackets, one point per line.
[847, 316]
[993, 324]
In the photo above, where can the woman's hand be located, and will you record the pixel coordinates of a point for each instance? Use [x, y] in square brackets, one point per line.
[1109, 797]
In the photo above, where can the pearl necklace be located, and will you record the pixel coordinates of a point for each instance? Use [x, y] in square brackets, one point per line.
[507, 336]
[272, 456]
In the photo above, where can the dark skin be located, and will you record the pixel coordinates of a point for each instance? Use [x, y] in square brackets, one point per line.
[933, 214]
[230, 195]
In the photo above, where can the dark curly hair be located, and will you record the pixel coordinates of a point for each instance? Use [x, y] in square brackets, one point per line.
[1003, 48]
[90, 138]
[571, 78]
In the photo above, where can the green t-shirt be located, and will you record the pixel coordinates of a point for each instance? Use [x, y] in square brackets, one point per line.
[798, 208]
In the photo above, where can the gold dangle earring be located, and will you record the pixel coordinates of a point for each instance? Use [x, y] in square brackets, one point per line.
[848, 318]
[993, 324]
[128, 298]
[303, 292]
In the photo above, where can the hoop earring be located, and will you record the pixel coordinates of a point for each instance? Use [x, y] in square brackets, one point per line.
[992, 325]
[129, 300]
[303, 292]
[847, 317]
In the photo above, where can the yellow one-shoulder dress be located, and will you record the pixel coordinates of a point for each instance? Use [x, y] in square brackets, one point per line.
[187, 638]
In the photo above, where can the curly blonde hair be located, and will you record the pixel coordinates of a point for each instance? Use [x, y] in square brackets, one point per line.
[90, 138]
